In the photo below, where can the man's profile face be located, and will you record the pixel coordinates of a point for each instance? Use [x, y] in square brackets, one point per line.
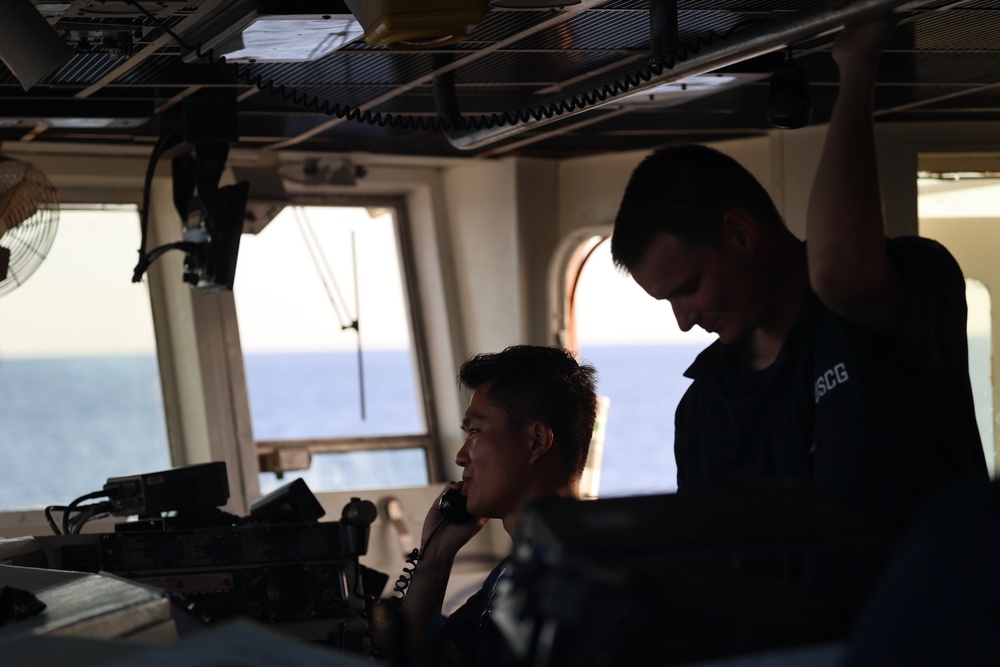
[707, 286]
[494, 457]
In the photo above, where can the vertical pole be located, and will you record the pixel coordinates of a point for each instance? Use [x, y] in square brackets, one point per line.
[664, 41]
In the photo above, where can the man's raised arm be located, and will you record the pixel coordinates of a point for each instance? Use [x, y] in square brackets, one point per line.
[845, 226]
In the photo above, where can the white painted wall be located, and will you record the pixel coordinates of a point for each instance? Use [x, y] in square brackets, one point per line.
[481, 200]
[537, 183]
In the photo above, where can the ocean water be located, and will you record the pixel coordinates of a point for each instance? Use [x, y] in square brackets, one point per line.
[297, 396]
[644, 383]
[67, 425]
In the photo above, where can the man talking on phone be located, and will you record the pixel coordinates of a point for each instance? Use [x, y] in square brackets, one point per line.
[527, 429]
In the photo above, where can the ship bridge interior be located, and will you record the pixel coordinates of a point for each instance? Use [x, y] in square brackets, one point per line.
[483, 147]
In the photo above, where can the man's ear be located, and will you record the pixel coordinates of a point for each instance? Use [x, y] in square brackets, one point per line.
[541, 440]
[740, 229]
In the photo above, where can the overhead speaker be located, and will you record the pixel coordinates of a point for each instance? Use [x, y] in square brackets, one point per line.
[408, 24]
[788, 103]
[29, 46]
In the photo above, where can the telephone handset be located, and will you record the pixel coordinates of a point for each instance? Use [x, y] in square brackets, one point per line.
[452, 507]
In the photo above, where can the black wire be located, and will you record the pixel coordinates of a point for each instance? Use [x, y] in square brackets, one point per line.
[186, 246]
[407, 575]
[326, 276]
[367, 608]
[145, 260]
[578, 102]
[89, 513]
[73, 505]
[52, 522]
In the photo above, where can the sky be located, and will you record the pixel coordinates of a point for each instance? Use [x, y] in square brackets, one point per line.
[81, 300]
[612, 309]
[283, 292]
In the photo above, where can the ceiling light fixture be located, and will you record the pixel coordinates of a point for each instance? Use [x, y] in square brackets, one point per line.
[270, 31]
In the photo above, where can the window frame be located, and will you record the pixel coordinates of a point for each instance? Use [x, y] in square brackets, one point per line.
[975, 264]
[568, 260]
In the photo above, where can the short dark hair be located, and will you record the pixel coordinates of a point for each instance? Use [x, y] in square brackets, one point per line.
[545, 383]
[684, 189]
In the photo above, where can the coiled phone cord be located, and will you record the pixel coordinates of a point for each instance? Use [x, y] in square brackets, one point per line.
[411, 566]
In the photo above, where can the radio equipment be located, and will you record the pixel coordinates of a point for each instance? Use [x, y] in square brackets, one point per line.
[279, 565]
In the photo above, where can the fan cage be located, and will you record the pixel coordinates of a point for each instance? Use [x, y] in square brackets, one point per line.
[29, 217]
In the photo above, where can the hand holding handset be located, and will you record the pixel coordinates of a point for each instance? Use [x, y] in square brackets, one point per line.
[452, 507]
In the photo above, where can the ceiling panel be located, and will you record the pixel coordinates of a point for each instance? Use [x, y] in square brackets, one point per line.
[943, 63]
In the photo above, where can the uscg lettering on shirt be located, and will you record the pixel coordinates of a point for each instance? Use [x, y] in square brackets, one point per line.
[830, 379]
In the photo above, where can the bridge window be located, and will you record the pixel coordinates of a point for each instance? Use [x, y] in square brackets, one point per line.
[328, 345]
[641, 356]
[980, 332]
[956, 202]
[80, 397]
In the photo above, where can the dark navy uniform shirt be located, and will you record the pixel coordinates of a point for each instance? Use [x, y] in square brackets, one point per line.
[879, 423]
[470, 636]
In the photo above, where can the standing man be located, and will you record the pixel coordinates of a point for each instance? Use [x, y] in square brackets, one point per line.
[841, 362]
[527, 429]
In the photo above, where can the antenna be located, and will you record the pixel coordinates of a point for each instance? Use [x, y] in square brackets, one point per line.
[333, 292]
[357, 323]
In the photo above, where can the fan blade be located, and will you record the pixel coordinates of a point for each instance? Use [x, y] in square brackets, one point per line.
[21, 201]
[4, 262]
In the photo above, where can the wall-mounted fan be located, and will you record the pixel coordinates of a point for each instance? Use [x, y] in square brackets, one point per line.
[29, 217]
